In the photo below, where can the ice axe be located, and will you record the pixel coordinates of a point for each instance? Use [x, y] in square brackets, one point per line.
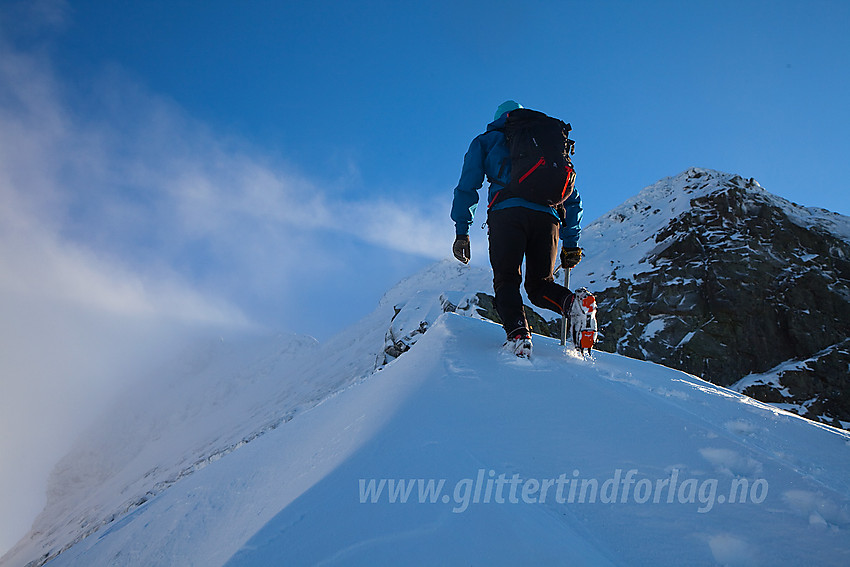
[564, 315]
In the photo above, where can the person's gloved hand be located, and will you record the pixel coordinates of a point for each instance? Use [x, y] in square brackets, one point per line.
[570, 257]
[461, 248]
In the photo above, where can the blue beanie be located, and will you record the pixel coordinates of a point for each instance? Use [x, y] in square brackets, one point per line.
[506, 106]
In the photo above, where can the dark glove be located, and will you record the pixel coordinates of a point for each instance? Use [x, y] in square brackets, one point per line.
[461, 248]
[570, 257]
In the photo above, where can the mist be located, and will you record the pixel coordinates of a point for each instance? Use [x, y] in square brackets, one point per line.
[128, 228]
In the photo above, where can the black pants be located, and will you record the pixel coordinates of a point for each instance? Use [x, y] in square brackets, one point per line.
[517, 232]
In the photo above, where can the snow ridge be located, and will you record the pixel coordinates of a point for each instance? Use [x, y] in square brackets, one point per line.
[249, 450]
[454, 410]
[213, 399]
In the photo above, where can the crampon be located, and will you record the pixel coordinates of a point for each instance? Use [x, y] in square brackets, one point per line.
[582, 317]
[519, 343]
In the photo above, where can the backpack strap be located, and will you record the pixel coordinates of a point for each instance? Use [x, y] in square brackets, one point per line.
[502, 166]
[501, 192]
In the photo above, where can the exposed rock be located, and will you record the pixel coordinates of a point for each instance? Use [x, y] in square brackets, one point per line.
[486, 308]
[737, 284]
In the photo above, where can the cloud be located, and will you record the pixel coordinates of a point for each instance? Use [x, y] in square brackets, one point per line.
[125, 227]
[76, 326]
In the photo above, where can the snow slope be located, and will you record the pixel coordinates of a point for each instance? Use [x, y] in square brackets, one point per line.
[553, 461]
[211, 400]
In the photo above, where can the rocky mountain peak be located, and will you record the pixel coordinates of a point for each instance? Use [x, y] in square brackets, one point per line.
[709, 273]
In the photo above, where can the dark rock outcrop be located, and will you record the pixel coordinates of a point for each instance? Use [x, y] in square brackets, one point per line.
[715, 276]
[739, 284]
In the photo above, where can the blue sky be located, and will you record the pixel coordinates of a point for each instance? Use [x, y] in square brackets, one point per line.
[170, 166]
[377, 101]
[396, 89]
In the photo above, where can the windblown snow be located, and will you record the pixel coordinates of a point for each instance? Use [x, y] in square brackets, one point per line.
[281, 451]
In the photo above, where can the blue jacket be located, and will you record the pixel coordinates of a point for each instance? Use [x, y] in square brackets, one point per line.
[488, 156]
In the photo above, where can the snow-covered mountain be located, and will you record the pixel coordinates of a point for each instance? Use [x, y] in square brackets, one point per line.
[709, 273]
[410, 438]
[209, 401]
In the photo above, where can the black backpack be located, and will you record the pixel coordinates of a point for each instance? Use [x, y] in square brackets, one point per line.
[540, 149]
